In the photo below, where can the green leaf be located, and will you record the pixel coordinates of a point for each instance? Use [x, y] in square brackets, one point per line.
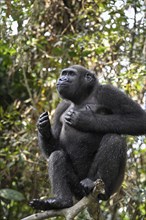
[100, 50]
[57, 51]
[86, 52]
[72, 53]
[11, 194]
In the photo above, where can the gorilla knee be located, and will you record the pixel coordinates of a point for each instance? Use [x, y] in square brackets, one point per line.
[114, 140]
[56, 158]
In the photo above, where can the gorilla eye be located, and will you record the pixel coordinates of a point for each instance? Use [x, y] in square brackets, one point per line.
[71, 73]
[63, 73]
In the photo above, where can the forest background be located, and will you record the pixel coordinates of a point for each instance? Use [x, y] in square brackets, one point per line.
[37, 40]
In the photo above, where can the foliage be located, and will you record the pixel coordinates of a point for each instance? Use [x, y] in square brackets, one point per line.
[38, 39]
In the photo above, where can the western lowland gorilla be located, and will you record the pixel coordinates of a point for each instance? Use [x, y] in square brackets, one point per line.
[85, 143]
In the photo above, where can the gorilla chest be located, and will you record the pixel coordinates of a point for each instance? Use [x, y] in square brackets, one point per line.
[77, 142]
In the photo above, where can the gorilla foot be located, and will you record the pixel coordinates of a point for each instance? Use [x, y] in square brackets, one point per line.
[52, 203]
[87, 185]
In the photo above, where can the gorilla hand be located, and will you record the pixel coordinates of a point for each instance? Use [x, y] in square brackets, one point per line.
[79, 119]
[43, 124]
[72, 117]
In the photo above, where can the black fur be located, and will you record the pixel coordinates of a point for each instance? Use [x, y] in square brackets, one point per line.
[84, 143]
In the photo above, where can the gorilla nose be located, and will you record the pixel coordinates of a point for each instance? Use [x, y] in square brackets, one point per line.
[63, 78]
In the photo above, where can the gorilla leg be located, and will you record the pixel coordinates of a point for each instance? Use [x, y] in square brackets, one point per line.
[60, 189]
[109, 165]
[64, 181]
[58, 178]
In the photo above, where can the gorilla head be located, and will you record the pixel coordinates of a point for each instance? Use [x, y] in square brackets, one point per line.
[76, 83]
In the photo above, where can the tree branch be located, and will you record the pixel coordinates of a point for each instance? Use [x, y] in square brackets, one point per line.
[28, 89]
[69, 213]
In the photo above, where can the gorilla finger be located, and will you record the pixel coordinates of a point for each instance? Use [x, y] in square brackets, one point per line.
[44, 118]
[88, 107]
[43, 114]
[68, 122]
[70, 112]
[44, 123]
[68, 117]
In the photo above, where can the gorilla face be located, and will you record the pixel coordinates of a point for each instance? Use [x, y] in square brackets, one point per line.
[75, 83]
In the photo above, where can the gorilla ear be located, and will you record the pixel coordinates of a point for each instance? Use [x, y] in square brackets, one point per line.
[89, 77]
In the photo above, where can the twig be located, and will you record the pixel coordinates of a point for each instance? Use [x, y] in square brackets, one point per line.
[28, 90]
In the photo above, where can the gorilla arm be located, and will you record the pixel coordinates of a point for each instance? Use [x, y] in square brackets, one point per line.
[127, 117]
[48, 135]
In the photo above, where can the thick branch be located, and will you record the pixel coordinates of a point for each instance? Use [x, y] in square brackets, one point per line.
[69, 213]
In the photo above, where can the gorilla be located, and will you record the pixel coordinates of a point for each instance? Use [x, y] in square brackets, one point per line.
[84, 142]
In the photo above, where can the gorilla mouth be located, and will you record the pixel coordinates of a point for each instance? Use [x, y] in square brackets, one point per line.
[63, 84]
